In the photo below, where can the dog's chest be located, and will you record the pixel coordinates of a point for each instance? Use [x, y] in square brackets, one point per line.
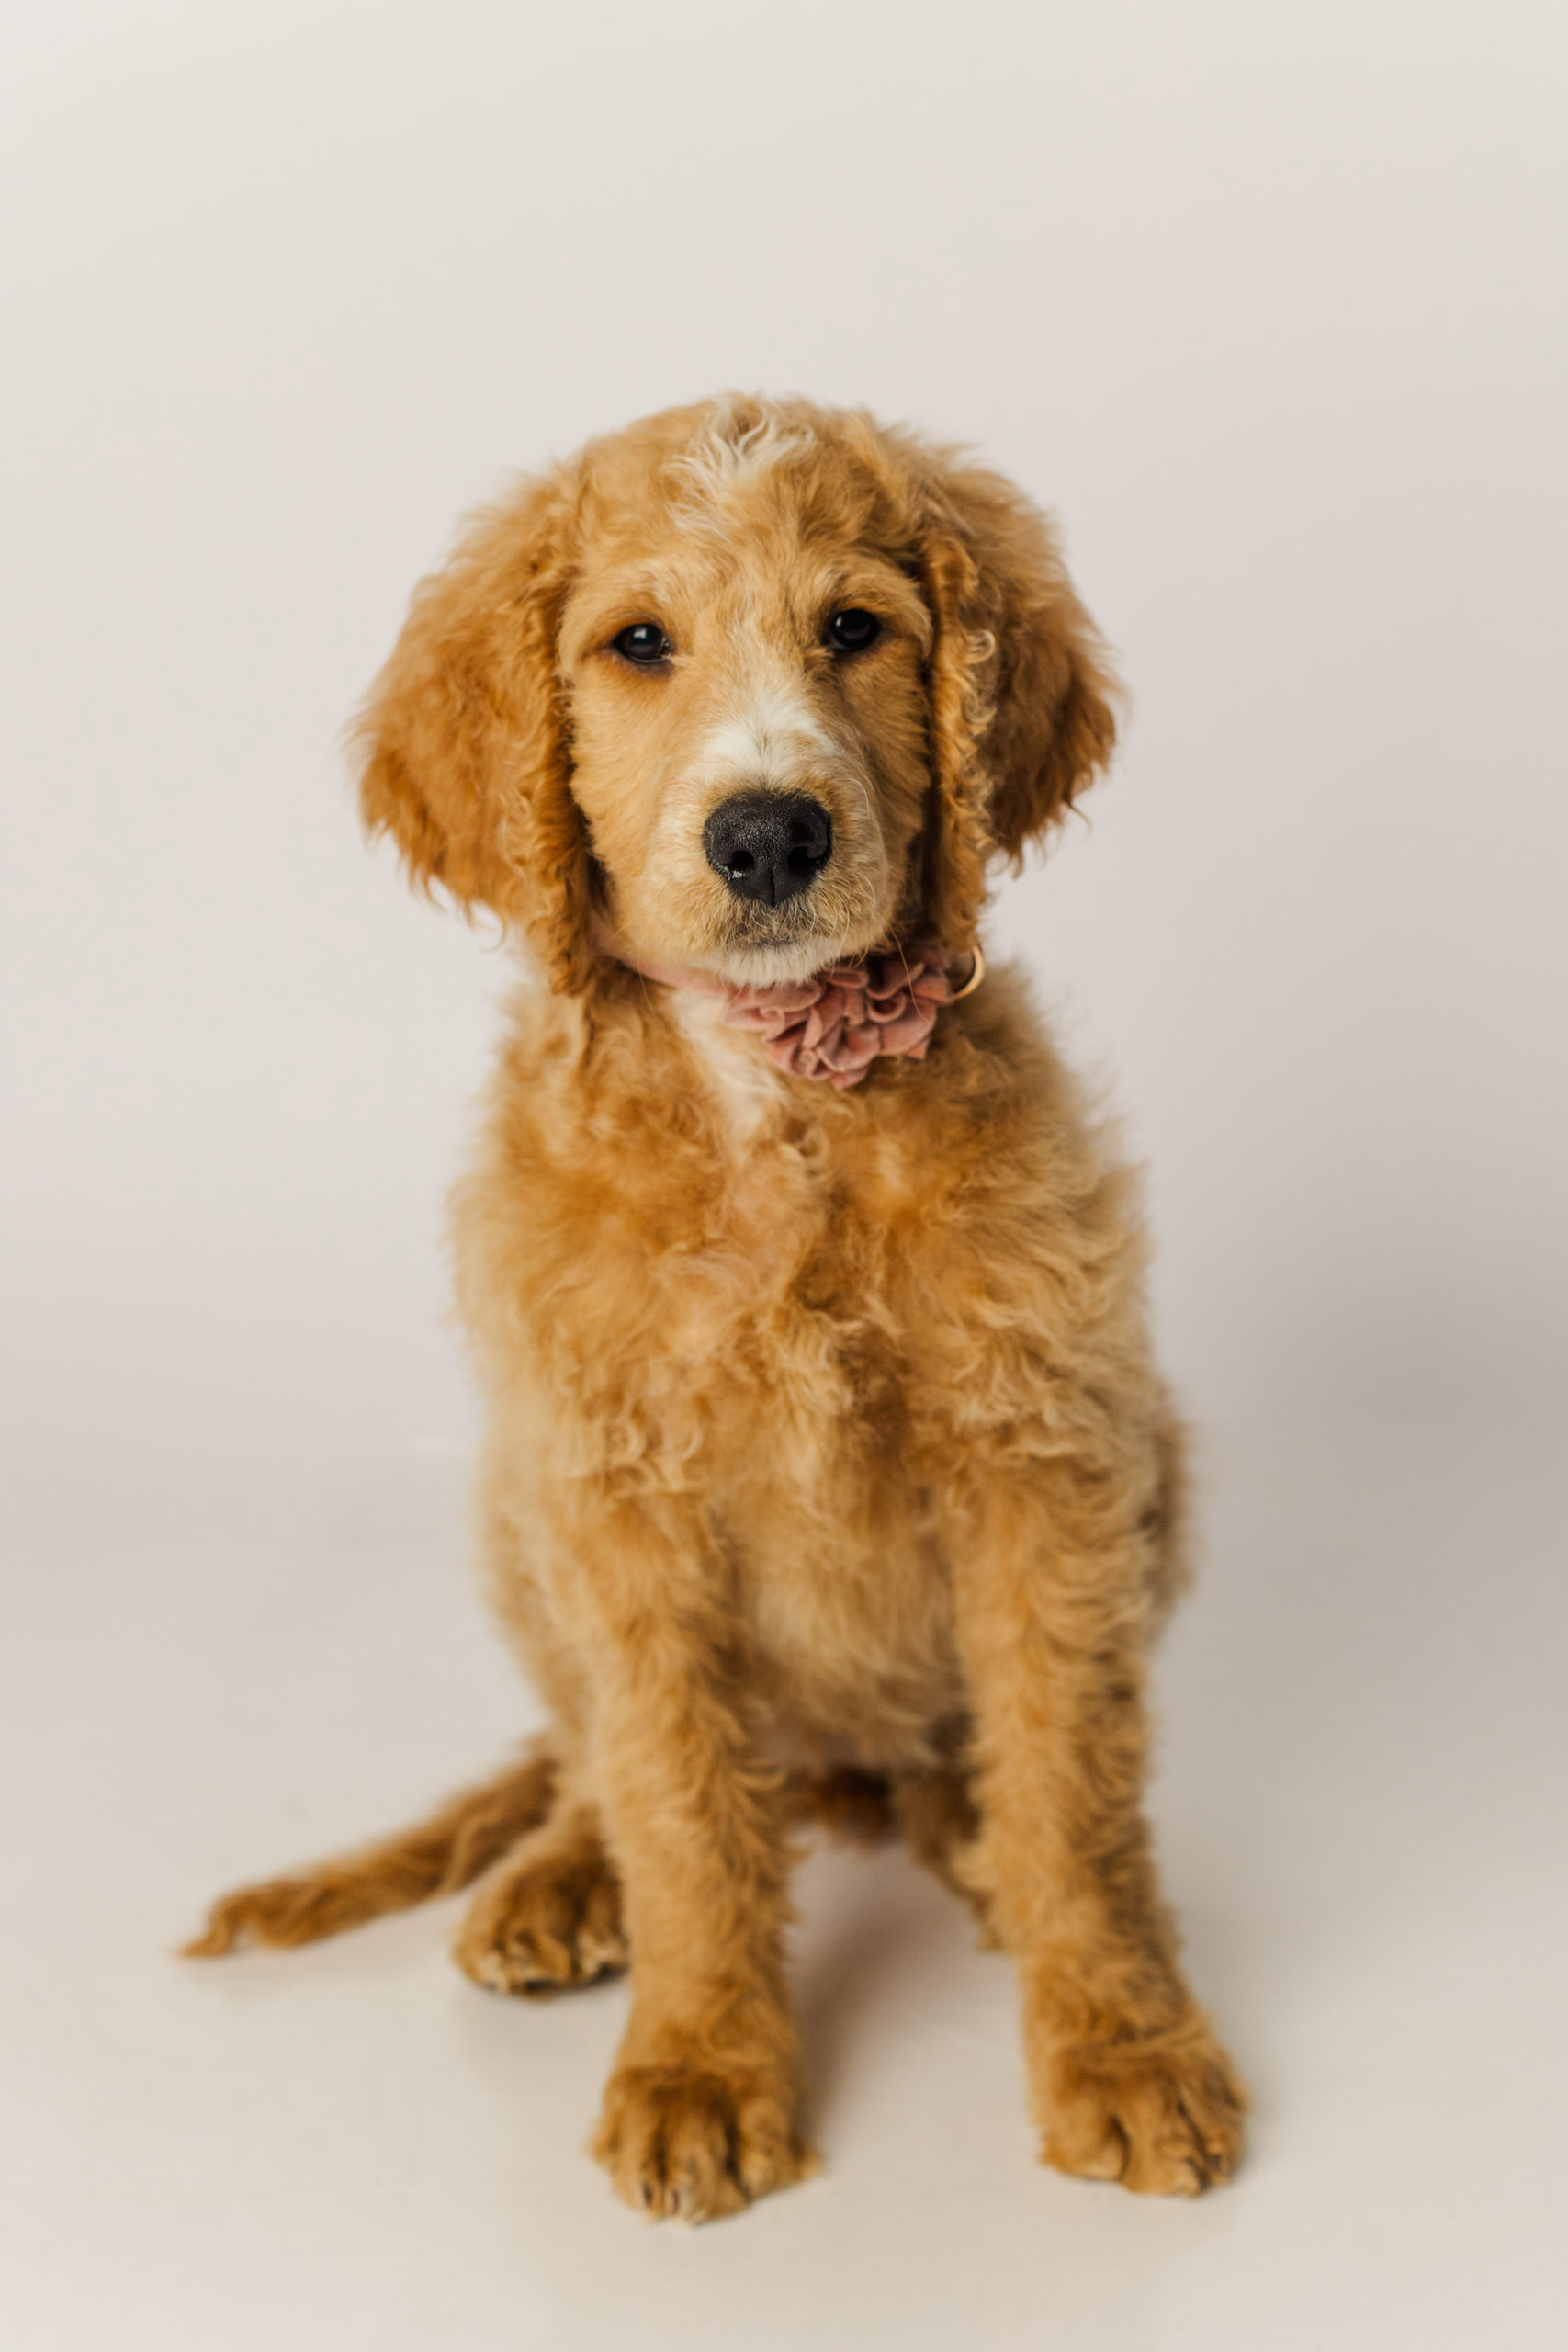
[815, 1486]
[742, 1085]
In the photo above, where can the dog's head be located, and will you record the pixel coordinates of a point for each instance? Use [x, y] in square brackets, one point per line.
[748, 689]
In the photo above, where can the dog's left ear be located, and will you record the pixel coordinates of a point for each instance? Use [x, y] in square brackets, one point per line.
[1022, 693]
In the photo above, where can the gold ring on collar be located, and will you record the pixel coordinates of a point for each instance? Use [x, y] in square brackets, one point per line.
[977, 973]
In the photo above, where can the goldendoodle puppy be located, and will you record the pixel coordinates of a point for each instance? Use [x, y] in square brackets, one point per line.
[826, 1466]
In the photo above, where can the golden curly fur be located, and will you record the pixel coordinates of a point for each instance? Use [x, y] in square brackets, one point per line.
[826, 1466]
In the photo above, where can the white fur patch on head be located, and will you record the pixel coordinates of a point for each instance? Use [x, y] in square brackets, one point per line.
[730, 452]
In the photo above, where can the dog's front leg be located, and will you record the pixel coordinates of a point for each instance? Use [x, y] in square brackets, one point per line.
[700, 2115]
[1128, 2080]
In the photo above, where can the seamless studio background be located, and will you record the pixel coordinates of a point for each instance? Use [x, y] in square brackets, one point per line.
[1268, 305]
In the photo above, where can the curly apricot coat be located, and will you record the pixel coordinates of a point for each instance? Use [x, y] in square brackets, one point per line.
[827, 1466]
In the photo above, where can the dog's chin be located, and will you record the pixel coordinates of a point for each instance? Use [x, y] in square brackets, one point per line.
[767, 962]
[761, 946]
[755, 958]
[750, 946]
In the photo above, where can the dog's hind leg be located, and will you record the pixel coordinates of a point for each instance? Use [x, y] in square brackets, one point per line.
[931, 1809]
[854, 1807]
[1168, 1520]
[549, 1916]
[449, 1850]
[937, 1819]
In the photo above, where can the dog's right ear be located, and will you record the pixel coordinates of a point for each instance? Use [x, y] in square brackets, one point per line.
[463, 741]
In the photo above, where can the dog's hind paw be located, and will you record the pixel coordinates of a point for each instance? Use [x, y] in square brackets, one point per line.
[547, 1922]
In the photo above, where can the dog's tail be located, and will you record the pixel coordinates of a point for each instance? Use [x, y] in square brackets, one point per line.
[438, 1857]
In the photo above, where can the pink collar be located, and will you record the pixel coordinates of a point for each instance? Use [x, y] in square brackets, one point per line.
[835, 1024]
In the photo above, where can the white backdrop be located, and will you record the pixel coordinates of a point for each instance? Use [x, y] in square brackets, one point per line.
[1268, 305]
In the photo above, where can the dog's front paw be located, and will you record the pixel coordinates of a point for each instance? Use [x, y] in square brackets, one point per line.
[693, 2143]
[1161, 2113]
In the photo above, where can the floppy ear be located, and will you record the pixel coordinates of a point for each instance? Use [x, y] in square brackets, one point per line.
[1023, 694]
[464, 757]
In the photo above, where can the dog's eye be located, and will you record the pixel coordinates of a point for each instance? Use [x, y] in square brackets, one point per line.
[644, 643]
[853, 631]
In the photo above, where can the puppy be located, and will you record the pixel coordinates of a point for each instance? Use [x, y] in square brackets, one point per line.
[827, 1467]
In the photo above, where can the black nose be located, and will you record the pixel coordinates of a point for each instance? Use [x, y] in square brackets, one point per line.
[768, 845]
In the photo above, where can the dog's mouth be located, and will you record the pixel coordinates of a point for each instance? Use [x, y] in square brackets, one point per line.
[760, 933]
[757, 947]
[677, 914]
[761, 944]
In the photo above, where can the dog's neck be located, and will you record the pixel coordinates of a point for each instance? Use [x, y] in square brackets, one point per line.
[837, 1022]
